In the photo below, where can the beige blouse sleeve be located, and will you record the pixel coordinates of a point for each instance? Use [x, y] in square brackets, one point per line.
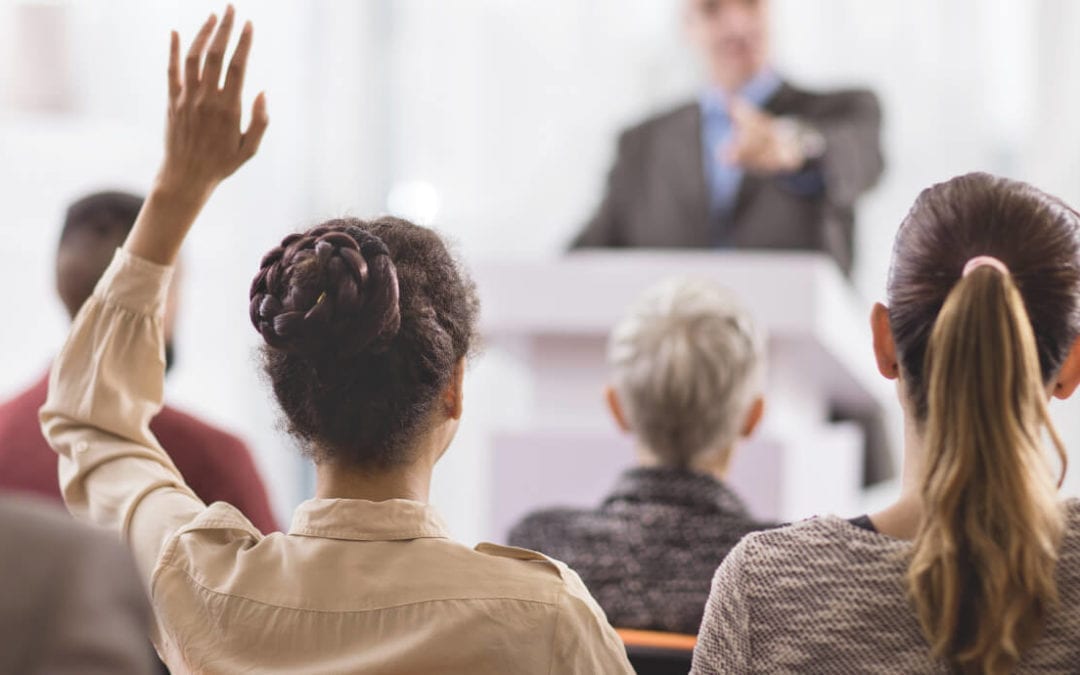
[105, 387]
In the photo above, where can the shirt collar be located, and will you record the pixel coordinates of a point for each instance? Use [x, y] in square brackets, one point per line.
[681, 487]
[757, 91]
[362, 520]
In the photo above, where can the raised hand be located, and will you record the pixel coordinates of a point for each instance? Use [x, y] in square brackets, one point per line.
[203, 140]
[204, 143]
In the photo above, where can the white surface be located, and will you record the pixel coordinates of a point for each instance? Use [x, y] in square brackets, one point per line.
[510, 111]
[553, 319]
[815, 322]
[778, 481]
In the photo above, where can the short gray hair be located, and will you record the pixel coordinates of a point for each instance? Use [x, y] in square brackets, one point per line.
[687, 362]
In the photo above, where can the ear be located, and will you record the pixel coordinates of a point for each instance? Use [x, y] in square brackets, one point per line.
[615, 406]
[453, 395]
[884, 347]
[1069, 376]
[753, 417]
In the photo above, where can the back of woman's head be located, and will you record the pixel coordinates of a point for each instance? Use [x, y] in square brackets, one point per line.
[687, 362]
[983, 307]
[364, 324]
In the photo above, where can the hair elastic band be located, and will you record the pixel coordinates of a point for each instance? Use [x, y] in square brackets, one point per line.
[984, 261]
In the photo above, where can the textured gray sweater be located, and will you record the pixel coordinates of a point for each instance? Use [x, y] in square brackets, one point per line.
[826, 596]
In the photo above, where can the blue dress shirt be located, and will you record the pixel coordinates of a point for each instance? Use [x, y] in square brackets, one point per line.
[722, 178]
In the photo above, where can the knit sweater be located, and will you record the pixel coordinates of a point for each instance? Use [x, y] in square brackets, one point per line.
[648, 552]
[826, 596]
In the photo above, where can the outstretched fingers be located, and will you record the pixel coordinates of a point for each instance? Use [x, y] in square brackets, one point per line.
[249, 142]
[204, 141]
[215, 56]
[234, 78]
[174, 67]
[194, 56]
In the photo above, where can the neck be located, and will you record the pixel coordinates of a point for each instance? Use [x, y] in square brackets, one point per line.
[903, 517]
[714, 464]
[410, 481]
[729, 87]
[733, 84]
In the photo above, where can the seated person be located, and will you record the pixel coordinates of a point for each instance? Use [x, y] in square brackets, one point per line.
[216, 464]
[687, 366]
[976, 567]
[367, 325]
[70, 598]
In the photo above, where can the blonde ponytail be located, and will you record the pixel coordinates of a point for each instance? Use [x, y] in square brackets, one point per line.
[982, 572]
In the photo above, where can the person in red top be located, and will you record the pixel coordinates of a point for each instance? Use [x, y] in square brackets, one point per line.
[216, 464]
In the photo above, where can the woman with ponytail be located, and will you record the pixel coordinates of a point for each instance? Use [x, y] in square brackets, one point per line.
[366, 327]
[976, 567]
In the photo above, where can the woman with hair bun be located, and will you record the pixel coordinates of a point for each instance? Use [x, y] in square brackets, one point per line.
[976, 568]
[367, 325]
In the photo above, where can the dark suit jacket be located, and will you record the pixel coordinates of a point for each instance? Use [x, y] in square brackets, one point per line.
[657, 195]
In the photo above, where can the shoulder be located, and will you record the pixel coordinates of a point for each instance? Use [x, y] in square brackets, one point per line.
[550, 578]
[819, 548]
[672, 120]
[585, 641]
[1071, 543]
[526, 559]
[521, 573]
[546, 520]
[796, 100]
[567, 533]
[813, 531]
[1072, 511]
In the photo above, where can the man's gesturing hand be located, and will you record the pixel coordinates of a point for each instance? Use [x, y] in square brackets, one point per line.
[760, 144]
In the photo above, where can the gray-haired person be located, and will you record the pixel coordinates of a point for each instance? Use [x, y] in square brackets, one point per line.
[687, 370]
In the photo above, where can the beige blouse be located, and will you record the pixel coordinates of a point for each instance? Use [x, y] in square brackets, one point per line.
[355, 586]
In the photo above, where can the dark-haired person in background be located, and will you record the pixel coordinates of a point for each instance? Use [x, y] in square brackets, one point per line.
[976, 567]
[367, 327]
[216, 464]
[687, 369]
[755, 162]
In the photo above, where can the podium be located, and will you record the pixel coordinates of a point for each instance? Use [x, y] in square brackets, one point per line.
[551, 440]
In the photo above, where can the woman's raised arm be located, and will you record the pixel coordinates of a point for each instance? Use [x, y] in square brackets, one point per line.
[204, 143]
[107, 383]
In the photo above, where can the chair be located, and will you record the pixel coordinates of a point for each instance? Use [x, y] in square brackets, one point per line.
[654, 653]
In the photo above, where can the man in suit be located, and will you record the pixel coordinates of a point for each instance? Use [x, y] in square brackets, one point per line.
[755, 162]
[70, 598]
[216, 464]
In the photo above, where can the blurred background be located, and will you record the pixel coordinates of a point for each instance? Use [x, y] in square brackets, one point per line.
[492, 120]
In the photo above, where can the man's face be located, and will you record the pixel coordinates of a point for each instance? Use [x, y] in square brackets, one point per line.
[732, 37]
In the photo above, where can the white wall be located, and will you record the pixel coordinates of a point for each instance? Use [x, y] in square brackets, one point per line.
[506, 110]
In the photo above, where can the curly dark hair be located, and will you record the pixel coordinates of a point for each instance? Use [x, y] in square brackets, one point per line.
[364, 324]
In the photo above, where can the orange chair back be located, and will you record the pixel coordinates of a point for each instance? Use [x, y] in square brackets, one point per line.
[655, 653]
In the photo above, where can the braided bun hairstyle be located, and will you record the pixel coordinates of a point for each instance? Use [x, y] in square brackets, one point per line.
[331, 291]
[363, 323]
